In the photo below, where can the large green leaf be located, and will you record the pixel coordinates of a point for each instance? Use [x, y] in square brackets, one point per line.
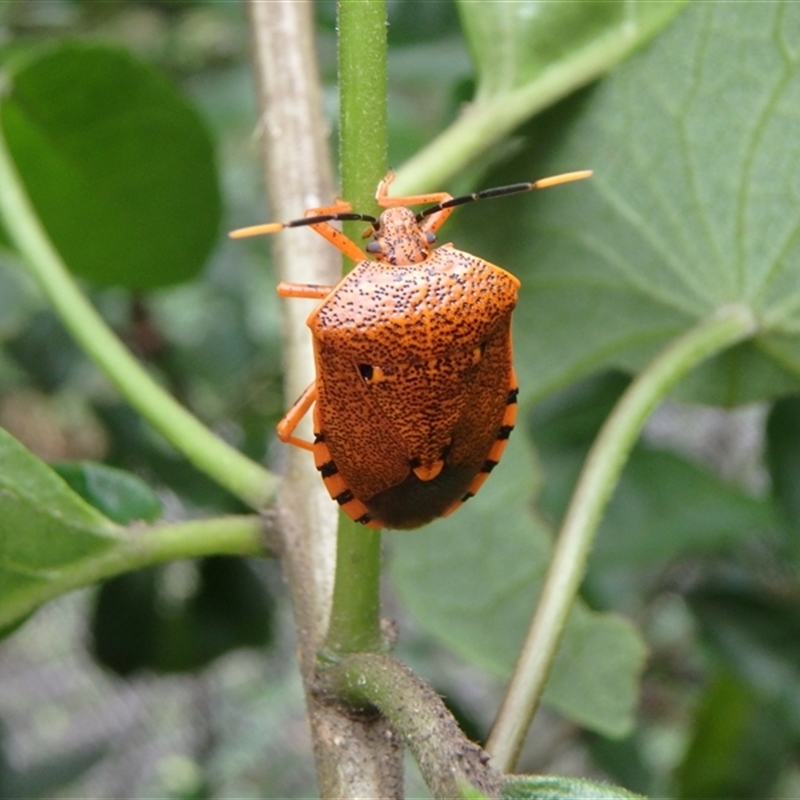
[528, 55]
[117, 163]
[693, 205]
[472, 580]
[44, 526]
[515, 44]
[53, 541]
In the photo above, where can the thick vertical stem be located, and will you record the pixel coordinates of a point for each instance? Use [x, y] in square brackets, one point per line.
[363, 133]
[355, 621]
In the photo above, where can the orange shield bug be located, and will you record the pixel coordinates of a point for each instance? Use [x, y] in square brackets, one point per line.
[415, 394]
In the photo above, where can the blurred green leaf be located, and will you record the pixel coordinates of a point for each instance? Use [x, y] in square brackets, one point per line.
[46, 352]
[44, 526]
[663, 506]
[528, 55]
[472, 581]
[693, 206]
[624, 761]
[738, 745]
[134, 448]
[595, 677]
[514, 44]
[116, 161]
[181, 617]
[547, 787]
[121, 496]
[756, 634]
[783, 456]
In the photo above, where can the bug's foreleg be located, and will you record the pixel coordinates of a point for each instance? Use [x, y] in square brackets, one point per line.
[434, 221]
[289, 423]
[333, 235]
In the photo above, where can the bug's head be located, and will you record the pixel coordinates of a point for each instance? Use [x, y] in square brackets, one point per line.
[399, 239]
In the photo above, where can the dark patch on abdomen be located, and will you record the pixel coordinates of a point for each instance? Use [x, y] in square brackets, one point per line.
[414, 502]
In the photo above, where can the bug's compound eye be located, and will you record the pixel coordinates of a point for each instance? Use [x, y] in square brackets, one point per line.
[430, 237]
[371, 374]
[374, 247]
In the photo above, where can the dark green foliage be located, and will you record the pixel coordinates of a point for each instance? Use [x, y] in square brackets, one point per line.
[141, 622]
[118, 164]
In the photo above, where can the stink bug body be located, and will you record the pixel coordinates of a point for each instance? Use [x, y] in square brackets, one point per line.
[415, 394]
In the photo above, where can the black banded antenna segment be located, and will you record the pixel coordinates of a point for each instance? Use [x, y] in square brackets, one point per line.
[500, 191]
[497, 191]
[345, 216]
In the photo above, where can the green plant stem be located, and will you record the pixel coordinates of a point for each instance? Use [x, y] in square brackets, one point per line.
[363, 132]
[246, 479]
[450, 764]
[144, 547]
[595, 485]
[355, 613]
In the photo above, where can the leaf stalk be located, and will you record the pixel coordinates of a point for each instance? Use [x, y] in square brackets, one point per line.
[723, 329]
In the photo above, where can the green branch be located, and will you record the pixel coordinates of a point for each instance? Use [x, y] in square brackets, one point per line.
[246, 479]
[363, 131]
[595, 485]
[355, 613]
[143, 547]
[450, 764]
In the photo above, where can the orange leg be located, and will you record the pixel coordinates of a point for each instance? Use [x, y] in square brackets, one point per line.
[340, 241]
[334, 236]
[287, 425]
[309, 291]
[384, 201]
[431, 223]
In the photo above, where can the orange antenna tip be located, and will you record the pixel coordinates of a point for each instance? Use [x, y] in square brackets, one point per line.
[566, 177]
[256, 230]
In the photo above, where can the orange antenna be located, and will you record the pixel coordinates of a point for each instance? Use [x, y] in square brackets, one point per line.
[274, 227]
